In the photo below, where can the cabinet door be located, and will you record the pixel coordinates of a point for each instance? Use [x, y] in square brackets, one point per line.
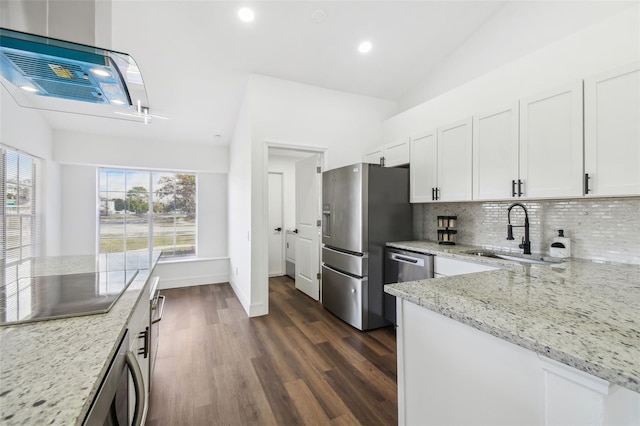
[424, 167]
[396, 153]
[139, 327]
[551, 143]
[612, 132]
[455, 161]
[495, 153]
[447, 267]
[373, 156]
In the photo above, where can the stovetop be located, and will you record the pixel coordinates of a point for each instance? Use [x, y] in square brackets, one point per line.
[60, 296]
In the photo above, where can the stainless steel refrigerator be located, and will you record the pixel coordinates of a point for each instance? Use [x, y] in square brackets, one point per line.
[364, 206]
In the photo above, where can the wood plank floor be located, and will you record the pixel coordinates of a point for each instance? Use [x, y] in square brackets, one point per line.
[299, 365]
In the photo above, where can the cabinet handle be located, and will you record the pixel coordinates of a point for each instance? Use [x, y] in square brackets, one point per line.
[513, 188]
[145, 349]
[138, 385]
[586, 183]
[162, 297]
[381, 161]
[433, 194]
[437, 193]
[520, 184]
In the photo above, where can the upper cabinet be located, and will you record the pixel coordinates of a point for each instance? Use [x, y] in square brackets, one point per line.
[423, 170]
[454, 161]
[390, 155]
[551, 153]
[612, 133]
[495, 154]
[374, 156]
[441, 164]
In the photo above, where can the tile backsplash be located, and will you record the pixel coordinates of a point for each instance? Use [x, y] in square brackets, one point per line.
[606, 229]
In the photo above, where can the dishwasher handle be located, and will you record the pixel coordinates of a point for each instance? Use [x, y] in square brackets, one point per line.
[417, 261]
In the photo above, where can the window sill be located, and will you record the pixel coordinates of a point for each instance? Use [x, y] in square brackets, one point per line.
[189, 259]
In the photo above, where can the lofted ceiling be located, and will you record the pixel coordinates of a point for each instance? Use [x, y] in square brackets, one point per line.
[196, 56]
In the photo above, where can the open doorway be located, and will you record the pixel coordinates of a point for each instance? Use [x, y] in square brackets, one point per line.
[294, 182]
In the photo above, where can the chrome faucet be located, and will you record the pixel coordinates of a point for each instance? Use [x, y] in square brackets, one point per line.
[526, 244]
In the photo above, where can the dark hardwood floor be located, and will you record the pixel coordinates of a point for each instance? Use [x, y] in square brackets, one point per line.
[299, 365]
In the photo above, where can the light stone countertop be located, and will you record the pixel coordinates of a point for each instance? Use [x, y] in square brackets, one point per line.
[50, 370]
[580, 313]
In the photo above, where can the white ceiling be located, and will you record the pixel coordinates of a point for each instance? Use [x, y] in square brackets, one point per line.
[195, 56]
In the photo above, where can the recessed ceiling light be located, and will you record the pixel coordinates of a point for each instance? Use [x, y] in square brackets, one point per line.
[318, 16]
[246, 15]
[100, 72]
[365, 47]
[29, 89]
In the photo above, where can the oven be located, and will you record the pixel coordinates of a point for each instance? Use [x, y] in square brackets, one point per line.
[157, 309]
[111, 404]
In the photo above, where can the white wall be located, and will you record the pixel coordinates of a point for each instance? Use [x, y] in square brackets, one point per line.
[112, 151]
[609, 44]
[516, 30]
[239, 217]
[81, 154]
[26, 130]
[287, 113]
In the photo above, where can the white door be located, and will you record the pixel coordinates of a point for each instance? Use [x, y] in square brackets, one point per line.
[308, 181]
[424, 167]
[551, 145]
[276, 233]
[612, 132]
[495, 154]
[454, 161]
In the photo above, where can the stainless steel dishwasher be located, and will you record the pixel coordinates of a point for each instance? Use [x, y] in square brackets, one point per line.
[402, 266]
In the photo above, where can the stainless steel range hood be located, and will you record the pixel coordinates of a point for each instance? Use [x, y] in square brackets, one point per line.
[51, 74]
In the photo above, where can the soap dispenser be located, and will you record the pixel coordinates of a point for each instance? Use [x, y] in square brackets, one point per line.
[561, 246]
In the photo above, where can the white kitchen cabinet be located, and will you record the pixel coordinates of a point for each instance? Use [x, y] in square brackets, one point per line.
[390, 155]
[495, 154]
[452, 374]
[423, 170]
[441, 163]
[446, 267]
[396, 153]
[612, 132]
[139, 329]
[455, 161]
[374, 156]
[551, 143]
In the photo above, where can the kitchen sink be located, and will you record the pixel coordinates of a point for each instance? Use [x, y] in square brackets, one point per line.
[487, 253]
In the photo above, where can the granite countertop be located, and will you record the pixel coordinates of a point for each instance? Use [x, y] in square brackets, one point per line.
[580, 313]
[50, 370]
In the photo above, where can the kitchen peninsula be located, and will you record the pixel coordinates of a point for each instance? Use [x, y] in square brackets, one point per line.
[50, 370]
[526, 344]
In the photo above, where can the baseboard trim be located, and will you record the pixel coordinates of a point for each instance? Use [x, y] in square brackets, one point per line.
[244, 301]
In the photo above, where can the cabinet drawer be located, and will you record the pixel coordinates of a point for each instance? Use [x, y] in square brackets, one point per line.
[449, 267]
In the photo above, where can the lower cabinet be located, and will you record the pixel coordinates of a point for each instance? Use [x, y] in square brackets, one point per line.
[452, 374]
[139, 344]
[447, 267]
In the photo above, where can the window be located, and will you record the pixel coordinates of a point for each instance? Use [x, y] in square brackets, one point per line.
[18, 239]
[146, 210]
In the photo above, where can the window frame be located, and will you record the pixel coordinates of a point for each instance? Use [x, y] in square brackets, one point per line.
[150, 213]
[24, 264]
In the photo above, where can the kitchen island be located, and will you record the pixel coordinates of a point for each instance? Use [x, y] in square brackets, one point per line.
[510, 346]
[51, 370]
